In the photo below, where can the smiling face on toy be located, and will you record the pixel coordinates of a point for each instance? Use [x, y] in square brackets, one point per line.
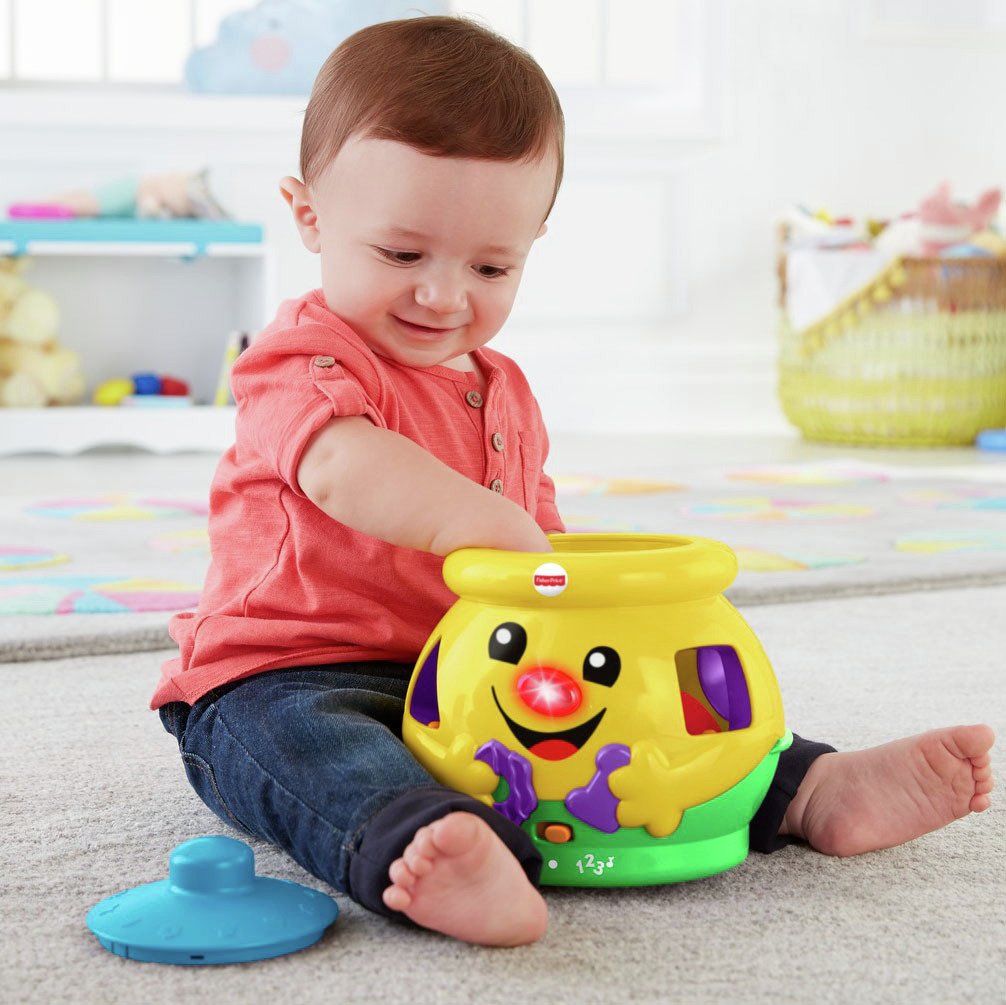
[553, 693]
[554, 688]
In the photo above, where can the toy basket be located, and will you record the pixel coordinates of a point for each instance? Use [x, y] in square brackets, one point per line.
[917, 357]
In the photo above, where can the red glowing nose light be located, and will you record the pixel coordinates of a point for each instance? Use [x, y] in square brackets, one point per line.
[549, 692]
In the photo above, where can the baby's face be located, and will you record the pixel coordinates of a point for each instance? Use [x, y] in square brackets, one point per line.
[421, 255]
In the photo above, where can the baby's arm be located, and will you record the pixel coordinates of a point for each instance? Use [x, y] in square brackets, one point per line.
[382, 484]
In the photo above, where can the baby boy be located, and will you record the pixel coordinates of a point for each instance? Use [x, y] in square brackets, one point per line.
[376, 433]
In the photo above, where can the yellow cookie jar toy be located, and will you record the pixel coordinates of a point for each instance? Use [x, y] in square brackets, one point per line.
[607, 698]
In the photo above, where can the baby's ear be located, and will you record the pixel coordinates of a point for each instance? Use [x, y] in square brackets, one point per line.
[298, 198]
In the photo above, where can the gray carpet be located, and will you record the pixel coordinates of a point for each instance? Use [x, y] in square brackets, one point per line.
[93, 800]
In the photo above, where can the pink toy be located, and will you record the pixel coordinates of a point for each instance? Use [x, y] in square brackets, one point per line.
[40, 211]
[943, 223]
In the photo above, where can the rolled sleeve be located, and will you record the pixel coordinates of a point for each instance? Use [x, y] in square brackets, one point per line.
[283, 400]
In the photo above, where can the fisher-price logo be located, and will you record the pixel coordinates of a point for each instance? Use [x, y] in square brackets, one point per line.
[550, 579]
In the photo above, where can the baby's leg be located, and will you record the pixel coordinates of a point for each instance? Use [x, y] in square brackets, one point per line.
[310, 760]
[457, 877]
[849, 803]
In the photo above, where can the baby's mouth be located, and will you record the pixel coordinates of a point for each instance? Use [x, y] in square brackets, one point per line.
[426, 330]
[551, 746]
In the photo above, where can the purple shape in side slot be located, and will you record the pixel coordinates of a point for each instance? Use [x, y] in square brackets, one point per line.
[594, 804]
[424, 706]
[515, 769]
[722, 679]
[713, 679]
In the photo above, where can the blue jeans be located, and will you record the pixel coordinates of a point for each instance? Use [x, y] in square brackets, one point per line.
[311, 760]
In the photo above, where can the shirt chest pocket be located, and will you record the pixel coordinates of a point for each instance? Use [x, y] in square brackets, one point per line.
[530, 463]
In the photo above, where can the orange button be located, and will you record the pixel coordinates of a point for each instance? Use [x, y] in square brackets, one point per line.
[558, 833]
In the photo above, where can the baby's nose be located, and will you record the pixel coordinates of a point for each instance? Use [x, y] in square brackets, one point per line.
[549, 691]
[442, 296]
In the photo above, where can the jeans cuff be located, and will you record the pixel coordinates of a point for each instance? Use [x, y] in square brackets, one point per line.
[794, 763]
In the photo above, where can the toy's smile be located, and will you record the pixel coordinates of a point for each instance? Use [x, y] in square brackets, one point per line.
[551, 746]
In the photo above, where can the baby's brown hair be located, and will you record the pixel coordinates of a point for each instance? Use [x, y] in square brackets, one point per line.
[446, 86]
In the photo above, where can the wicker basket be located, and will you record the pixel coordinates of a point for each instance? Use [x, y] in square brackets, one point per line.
[915, 358]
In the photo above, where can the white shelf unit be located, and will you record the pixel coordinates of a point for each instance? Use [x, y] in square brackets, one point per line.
[69, 430]
[135, 306]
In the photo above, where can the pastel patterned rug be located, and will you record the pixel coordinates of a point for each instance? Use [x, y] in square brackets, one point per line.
[819, 529]
[100, 570]
[110, 552]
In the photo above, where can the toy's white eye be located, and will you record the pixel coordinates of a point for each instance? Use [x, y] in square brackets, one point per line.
[596, 659]
[503, 636]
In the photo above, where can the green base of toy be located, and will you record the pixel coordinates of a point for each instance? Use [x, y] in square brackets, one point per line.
[711, 838]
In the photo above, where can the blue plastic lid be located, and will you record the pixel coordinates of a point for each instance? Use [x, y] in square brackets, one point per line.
[212, 908]
[992, 439]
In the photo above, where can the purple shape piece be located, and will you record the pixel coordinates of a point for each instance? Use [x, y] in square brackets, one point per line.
[594, 804]
[722, 679]
[515, 769]
[424, 706]
[713, 679]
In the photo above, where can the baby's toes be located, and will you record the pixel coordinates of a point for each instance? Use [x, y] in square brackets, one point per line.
[418, 858]
[979, 803]
[422, 842]
[981, 772]
[401, 874]
[398, 896]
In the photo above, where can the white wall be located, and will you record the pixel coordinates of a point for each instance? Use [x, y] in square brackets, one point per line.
[650, 303]
[821, 113]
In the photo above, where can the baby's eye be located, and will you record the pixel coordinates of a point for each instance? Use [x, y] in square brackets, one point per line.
[401, 257]
[491, 271]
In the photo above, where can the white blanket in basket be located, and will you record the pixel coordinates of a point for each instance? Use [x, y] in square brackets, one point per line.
[818, 280]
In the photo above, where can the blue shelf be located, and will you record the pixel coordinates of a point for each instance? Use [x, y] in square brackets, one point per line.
[196, 233]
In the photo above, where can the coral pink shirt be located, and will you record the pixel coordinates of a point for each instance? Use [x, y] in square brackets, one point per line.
[288, 585]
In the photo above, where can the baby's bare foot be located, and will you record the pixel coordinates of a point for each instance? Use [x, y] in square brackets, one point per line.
[457, 877]
[849, 803]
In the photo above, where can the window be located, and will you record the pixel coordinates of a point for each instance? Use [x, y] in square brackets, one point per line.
[661, 61]
[105, 41]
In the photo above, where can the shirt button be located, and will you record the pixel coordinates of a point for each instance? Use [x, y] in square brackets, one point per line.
[497, 441]
[497, 486]
[324, 361]
[472, 397]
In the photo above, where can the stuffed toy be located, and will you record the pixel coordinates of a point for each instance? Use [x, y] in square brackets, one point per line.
[278, 46]
[941, 226]
[174, 195]
[943, 223]
[34, 369]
